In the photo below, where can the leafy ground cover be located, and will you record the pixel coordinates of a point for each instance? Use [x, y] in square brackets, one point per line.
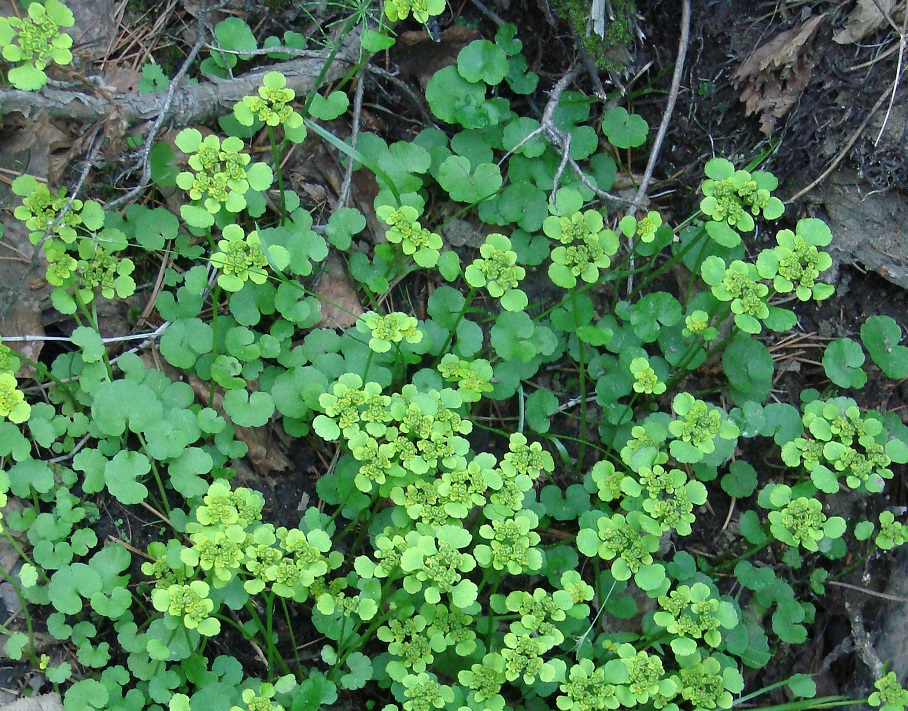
[554, 458]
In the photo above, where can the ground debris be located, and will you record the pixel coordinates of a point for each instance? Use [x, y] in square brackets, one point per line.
[867, 18]
[45, 702]
[340, 304]
[776, 73]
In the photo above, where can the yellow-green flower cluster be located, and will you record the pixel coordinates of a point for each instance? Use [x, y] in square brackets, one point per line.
[696, 323]
[12, 401]
[272, 107]
[240, 258]
[394, 434]
[498, 271]
[645, 378]
[40, 207]
[259, 701]
[189, 603]
[889, 694]
[40, 42]
[389, 329]
[421, 10]
[415, 240]
[9, 360]
[473, 377]
[584, 247]
[220, 173]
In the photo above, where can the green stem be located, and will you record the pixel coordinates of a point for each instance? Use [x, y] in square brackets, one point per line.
[42, 371]
[466, 304]
[367, 509]
[750, 553]
[296, 653]
[368, 364]
[23, 603]
[676, 257]
[582, 365]
[13, 541]
[276, 156]
[157, 476]
[94, 317]
[695, 347]
[272, 652]
[215, 300]
[494, 620]
[375, 624]
[266, 629]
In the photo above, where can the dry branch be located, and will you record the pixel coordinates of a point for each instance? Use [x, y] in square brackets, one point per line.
[191, 104]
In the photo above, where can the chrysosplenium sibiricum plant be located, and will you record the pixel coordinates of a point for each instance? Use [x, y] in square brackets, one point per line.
[34, 42]
[514, 457]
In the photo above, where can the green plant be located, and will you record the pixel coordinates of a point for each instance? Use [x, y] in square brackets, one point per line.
[479, 533]
[34, 42]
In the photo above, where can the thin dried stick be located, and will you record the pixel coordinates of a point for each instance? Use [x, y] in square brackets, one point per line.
[344, 195]
[669, 107]
[168, 100]
[898, 68]
[851, 141]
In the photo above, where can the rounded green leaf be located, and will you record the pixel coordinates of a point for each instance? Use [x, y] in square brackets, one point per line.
[842, 362]
[624, 130]
[482, 61]
[881, 336]
[248, 409]
[328, 108]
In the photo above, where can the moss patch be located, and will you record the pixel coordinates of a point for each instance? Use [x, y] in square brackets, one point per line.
[610, 53]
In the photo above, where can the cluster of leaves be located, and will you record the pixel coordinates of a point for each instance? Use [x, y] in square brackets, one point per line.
[82, 245]
[445, 569]
[32, 43]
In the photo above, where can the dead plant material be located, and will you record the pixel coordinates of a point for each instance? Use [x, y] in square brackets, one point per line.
[418, 56]
[340, 304]
[264, 453]
[776, 73]
[867, 17]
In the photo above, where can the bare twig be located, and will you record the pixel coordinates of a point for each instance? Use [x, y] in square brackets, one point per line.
[845, 149]
[151, 335]
[487, 12]
[565, 155]
[669, 107]
[898, 68]
[862, 641]
[165, 107]
[344, 195]
[562, 142]
[192, 104]
[886, 15]
[873, 593]
[412, 95]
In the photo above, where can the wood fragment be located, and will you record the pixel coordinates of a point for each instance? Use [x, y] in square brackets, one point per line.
[776, 73]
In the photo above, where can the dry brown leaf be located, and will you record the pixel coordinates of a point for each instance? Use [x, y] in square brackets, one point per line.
[340, 304]
[418, 56]
[93, 30]
[45, 702]
[121, 78]
[776, 73]
[264, 453]
[23, 150]
[865, 19]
